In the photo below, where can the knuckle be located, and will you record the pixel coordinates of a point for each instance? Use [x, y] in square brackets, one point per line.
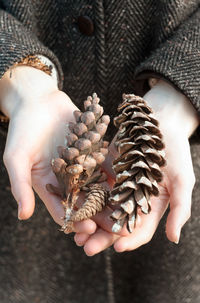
[179, 180]
[6, 158]
[185, 181]
[9, 158]
[188, 214]
[147, 238]
[192, 179]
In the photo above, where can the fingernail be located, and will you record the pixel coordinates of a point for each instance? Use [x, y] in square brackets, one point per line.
[120, 248]
[19, 210]
[79, 243]
[177, 237]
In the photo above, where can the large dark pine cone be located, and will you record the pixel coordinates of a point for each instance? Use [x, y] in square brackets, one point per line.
[139, 143]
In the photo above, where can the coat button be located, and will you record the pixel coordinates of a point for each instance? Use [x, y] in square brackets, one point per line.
[85, 25]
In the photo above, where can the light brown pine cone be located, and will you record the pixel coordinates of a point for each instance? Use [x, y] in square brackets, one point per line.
[78, 164]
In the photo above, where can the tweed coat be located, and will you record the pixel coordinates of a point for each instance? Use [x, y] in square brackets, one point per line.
[128, 42]
[130, 39]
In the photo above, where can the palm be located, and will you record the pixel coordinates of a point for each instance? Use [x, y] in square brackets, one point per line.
[175, 189]
[31, 145]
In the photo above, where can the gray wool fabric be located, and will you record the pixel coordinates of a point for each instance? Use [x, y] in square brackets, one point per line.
[130, 38]
[132, 41]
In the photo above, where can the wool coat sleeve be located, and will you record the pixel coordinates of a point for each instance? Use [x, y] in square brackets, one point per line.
[17, 41]
[177, 59]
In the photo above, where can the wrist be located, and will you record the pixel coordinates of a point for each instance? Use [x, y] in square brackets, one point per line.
[24, 85]
[172, 109]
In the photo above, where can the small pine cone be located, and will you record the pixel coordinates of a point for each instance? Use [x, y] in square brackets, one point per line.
[139, 143]
[78, 165]
[96, 200]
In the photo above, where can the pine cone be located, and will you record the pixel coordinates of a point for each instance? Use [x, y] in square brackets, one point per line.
[78, 164]
[139, 143]
[95, 201]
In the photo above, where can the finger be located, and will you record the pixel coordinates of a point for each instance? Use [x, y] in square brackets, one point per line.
[180, 210]
[80, 239]
[19, 171]
[108, 169]
[51, 201]
[54, 205]
[87, 226]
[107, 164]
[99, 242]
[103, 220]
[144, 231]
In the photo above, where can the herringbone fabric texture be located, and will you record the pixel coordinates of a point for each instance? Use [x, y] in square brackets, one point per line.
[131, 39]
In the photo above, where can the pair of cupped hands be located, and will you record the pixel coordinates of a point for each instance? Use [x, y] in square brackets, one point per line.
[38, 113]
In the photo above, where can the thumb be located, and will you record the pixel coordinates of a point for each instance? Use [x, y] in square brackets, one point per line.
[107, 164]
[180, 209]
[19, 171]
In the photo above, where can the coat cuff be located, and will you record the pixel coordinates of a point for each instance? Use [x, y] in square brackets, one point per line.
[177, 60]
[40, 62]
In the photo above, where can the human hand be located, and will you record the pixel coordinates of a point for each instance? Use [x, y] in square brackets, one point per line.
[177, 120]
[38, 113]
